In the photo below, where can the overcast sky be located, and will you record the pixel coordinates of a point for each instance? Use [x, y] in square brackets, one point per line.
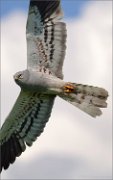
[73, 145]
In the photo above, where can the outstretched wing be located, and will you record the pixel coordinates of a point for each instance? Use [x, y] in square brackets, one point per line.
[24, 124]
[46, 36]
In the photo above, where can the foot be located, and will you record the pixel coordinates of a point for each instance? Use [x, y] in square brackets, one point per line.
[68, 88]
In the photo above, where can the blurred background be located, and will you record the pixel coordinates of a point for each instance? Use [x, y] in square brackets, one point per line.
[73, 145]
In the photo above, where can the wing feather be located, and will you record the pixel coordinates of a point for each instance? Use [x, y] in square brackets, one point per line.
[46, 36]
[24, 124]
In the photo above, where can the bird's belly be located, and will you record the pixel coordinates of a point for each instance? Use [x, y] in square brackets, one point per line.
[46, 84]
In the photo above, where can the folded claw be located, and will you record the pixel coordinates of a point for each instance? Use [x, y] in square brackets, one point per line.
[68, 88]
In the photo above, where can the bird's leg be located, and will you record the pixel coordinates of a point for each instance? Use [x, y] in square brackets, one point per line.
[68, 88]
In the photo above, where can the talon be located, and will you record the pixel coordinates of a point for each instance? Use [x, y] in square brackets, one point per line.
[69, 88]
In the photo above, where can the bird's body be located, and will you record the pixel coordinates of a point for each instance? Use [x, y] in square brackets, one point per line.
[42, 81]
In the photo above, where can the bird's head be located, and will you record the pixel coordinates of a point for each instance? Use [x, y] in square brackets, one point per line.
[21, 77]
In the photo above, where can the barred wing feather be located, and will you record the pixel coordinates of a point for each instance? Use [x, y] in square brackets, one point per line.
[46, 36]
[87, 98]
[24, 124]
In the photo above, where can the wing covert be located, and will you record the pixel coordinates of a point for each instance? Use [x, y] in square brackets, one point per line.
[46, 36]
[24, 124]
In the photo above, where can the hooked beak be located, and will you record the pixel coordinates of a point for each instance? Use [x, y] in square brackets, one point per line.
[15, 77]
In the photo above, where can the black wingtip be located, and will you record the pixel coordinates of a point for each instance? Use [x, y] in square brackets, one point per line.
[45, 7]
[9, 150]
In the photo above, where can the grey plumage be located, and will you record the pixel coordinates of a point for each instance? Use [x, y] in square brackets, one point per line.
[24, 124]
[46, 36]
[88, 98]
[42, 81]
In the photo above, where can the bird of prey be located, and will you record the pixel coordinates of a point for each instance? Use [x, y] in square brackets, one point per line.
[42, 81]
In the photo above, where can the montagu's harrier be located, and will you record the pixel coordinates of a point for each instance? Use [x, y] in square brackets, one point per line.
[42, 81]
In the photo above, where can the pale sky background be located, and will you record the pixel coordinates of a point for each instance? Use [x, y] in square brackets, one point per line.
[73, 145]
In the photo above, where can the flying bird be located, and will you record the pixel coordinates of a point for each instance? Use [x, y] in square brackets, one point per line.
[42, 81]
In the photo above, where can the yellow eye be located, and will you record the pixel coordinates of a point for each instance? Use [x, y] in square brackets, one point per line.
[20, 76]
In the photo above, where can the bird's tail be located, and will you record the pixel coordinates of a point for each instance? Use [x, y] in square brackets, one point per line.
[87, 98]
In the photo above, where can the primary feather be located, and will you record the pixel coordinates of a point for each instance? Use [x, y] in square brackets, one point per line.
[24, 124]
[46, 36]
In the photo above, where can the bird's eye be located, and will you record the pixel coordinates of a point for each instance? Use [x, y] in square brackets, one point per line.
[20, 76]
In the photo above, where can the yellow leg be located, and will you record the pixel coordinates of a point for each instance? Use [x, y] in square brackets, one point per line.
[69, 88]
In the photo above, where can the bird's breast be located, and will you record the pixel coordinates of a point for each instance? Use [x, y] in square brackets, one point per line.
[44, 83]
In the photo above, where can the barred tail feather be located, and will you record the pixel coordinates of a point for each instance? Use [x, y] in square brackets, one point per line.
[87, 98]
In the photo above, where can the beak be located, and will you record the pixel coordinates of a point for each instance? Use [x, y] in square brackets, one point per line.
[15, 77]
